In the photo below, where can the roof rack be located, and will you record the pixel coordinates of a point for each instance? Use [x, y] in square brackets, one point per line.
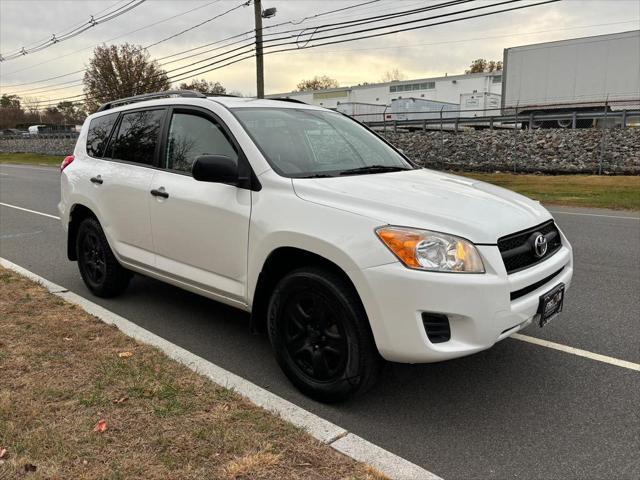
[151, 96]
[286, 99]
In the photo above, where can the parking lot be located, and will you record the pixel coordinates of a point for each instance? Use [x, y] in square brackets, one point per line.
[518, 410]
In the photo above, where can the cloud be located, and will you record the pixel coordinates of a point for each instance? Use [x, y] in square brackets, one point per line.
[420, 53]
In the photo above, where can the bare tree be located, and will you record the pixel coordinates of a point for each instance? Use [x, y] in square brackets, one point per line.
[204, 86]
[32, 105]
[317, 83]
[393, 75]
[118, 71]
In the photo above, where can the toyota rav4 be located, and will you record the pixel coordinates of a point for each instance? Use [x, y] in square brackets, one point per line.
[342, 249]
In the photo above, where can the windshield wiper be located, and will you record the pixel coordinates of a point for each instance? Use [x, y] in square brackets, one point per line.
[317, 175]
[373, 169]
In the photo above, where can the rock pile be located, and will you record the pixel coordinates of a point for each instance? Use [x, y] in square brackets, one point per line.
[537, 151]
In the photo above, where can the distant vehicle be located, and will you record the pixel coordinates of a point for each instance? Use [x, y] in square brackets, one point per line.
[482, 104]
[410, 108]
[12, 132]
[344, 251]
[36, 129]
[365, 112]
[580, 74]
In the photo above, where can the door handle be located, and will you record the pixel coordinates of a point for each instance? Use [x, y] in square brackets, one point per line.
[97, 180]
[159, 193]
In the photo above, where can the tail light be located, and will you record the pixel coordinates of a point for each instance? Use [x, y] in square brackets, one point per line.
[66, 162]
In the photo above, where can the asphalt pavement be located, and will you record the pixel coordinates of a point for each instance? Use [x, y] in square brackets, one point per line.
[517, 410]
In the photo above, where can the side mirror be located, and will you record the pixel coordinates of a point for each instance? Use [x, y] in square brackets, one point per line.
[216, 169]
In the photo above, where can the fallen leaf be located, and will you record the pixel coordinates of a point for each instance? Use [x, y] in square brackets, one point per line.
[125, 354]
[120, 400]
[101, 426]
[3, 452]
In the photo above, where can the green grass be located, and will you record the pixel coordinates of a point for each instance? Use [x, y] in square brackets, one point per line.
[615, 192]
[31, 159]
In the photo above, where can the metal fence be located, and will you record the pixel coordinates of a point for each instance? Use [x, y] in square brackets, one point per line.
[600, 142]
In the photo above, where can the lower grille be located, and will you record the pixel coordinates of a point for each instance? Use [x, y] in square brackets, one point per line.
[526, 248]
[534, 286]
[437, 327]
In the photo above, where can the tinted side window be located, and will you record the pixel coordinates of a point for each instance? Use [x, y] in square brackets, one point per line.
[191, 136]
[98, 135]
[137, 136]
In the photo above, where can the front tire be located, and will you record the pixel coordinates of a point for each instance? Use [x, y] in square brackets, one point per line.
[98, 266]
[321, 336]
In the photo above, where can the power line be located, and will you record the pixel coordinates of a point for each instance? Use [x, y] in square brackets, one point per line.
[448, 42]
[174, 79]
[177, 53]
[243, 55]
[245, 4]
[98, 44]
[66, 35]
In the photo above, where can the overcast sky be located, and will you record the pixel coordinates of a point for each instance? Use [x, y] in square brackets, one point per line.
[420, 53]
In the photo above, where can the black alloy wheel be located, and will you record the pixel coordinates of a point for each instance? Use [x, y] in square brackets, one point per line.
[314, 336]
[321, 336]
[92, 256]
[98, 266]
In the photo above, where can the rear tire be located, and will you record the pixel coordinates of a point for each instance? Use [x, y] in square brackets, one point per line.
[321, 336]
[98, 266]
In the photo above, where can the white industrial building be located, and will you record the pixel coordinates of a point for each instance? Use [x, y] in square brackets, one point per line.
[446, 89]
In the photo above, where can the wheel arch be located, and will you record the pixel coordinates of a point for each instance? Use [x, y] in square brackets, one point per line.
[77, 213]
[280, 261]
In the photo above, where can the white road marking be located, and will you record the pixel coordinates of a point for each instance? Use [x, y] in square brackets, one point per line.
[576, 351]
[594, 215]
[4, 174]
[53, 168]
[30, 211]
[17, 235]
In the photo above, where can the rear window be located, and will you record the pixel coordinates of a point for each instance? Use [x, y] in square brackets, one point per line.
[98, 136]
[137, 137]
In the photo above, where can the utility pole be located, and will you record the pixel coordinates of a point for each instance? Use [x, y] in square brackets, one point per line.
[257, 10]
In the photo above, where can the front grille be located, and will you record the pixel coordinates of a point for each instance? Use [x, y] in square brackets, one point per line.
[534, 286]
[437, 327]
[518, 249]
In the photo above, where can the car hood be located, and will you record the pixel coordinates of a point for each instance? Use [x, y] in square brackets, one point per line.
[427, 199]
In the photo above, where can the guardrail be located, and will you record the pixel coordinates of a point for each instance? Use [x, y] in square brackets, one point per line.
[529, 120]
[27, 135]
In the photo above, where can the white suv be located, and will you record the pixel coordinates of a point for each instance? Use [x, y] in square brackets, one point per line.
[341, 248]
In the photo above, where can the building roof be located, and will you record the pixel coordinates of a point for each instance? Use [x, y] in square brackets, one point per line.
[396, 82]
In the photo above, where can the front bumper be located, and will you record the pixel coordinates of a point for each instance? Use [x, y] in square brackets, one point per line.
[478, 306]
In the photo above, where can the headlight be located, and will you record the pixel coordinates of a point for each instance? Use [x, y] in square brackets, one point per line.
[432, 251]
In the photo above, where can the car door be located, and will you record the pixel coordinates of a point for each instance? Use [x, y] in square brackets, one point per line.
[200, 229]
[124, 183]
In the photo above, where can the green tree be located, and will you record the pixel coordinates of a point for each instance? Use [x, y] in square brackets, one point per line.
[480, 65]
[9, 101]
[118, 71]
[317, 83]
[204, 86]
[71, 112]
[11, 113]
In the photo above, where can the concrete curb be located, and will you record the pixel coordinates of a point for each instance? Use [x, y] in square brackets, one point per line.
[333, 435]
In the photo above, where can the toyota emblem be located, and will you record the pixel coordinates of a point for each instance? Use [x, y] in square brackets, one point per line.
[540, 246]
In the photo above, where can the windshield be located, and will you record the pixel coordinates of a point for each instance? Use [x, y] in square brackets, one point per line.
[316, 143]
